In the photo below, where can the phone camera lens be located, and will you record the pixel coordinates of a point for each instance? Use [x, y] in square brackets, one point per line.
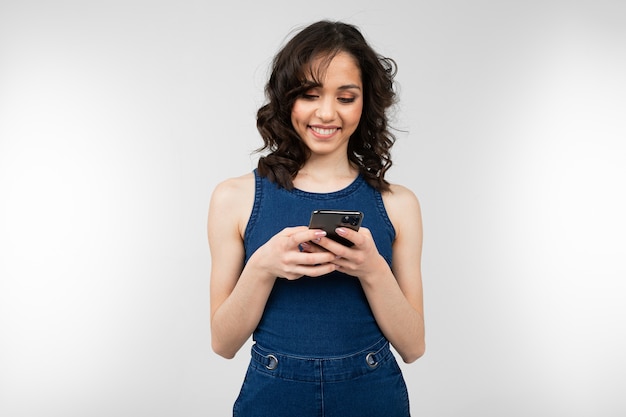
[352, 220]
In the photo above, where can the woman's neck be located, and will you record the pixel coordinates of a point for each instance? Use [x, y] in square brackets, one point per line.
[325, 176]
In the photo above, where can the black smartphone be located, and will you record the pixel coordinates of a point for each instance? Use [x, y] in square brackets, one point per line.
[329, 220]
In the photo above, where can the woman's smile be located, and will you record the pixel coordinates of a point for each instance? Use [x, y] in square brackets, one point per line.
[323, 132]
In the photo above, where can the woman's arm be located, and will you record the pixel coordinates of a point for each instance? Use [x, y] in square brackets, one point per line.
[238, 293]
[394, 294]
[232, 318]
[405, 321]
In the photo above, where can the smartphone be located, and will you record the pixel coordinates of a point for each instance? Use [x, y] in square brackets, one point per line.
[329, 220]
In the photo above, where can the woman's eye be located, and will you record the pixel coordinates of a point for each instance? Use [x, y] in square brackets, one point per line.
[346, 100]
[309, 96]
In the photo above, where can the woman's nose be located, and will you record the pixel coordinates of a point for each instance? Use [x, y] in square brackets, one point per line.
[326, 110]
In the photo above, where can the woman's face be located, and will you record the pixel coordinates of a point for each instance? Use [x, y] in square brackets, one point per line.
[326, 116]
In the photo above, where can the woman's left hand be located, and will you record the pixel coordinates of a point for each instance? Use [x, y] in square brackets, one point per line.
[361, 260]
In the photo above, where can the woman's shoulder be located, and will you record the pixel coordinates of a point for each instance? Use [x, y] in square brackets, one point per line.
[235, 185]
[403, 207]
[234, 193]
[232, 200]
[400, 195]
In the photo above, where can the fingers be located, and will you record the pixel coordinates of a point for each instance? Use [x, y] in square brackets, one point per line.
[319, 270]
[353, 236]
[357, 238]
[301, 256]
[302, 234]
[307, 247]
[309, 264]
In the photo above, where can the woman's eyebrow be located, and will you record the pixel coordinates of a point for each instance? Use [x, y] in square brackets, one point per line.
[314, 85]
[349, 87]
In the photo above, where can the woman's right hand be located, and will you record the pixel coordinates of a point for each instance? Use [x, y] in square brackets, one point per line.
[282, 257]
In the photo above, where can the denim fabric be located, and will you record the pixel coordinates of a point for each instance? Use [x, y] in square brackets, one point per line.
[365, 384]
[322, 316]
[319, 331]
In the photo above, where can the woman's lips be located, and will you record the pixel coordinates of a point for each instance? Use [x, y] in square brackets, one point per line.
[324, 131]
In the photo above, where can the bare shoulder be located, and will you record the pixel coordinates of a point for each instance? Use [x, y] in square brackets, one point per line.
[403, 208]
[236, 189]
[400, 198]
[232, 201]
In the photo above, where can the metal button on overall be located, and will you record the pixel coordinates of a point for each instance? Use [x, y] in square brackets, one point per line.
[273, 362]
[371, 361]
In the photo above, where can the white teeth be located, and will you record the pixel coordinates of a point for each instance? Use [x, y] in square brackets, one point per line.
[324, 131]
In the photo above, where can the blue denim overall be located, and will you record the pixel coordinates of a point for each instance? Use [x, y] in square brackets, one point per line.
[318, 350]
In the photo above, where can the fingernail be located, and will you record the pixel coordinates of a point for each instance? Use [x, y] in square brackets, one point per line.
[320, 233]
[340, 231]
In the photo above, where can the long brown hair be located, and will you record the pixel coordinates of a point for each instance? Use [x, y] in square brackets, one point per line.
[369, 146]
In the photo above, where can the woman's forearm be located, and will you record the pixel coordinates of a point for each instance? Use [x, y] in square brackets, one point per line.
[236, 318]
[399, 321]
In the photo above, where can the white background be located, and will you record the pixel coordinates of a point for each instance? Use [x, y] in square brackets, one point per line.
[118, 118]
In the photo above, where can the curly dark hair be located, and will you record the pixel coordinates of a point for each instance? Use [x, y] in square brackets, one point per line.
[369, 146]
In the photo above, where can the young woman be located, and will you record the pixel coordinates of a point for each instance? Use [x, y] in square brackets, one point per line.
[322, 314]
